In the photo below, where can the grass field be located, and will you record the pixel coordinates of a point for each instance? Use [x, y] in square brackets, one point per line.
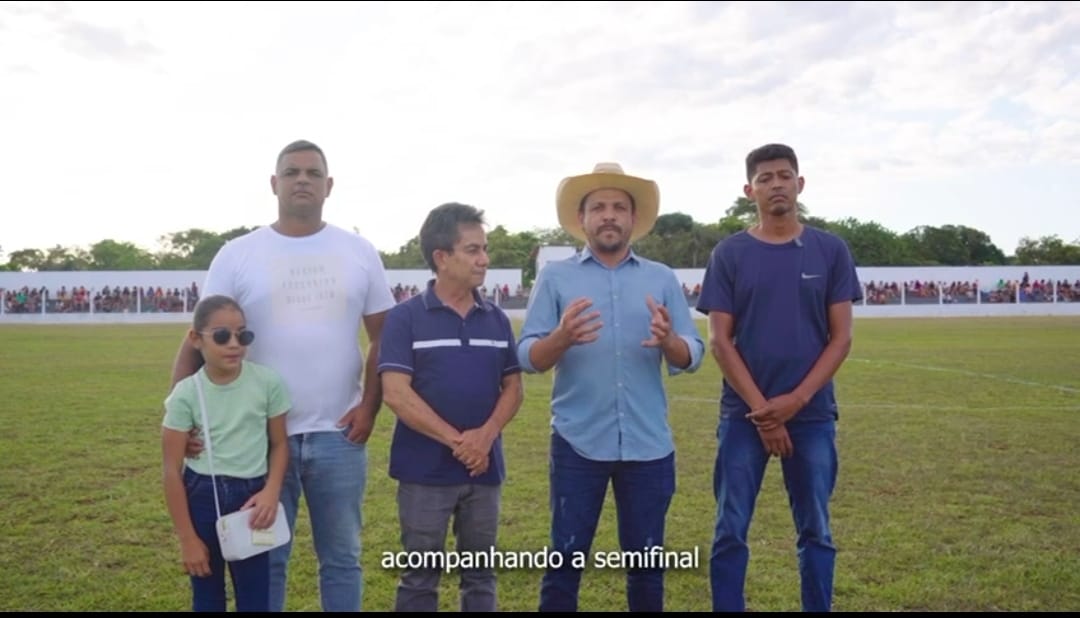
[959, 487]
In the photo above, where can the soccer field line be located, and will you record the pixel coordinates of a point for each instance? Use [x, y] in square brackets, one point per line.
[970, 374]
[914, 406]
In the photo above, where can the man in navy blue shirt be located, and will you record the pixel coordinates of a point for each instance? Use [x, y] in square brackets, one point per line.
[779, 298]
[450, 373]
[608, 319]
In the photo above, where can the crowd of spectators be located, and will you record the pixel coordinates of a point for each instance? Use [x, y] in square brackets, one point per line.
[1002, 291]
[109, 299]
[500, 295]
[117, 299]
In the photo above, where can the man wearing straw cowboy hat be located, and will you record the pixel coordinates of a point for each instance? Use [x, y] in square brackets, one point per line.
[607, 319]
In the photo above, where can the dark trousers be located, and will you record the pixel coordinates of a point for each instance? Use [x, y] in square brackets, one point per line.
[250, 577]
[643, 492]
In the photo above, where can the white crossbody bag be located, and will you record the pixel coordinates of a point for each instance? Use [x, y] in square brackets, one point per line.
[237, 538]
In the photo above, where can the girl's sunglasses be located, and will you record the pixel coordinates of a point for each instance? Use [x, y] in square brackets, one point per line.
[221, 336]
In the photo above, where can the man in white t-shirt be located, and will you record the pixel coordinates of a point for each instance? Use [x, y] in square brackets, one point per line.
[305, 286]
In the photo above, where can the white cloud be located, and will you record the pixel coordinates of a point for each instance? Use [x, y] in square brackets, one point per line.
[136, 121]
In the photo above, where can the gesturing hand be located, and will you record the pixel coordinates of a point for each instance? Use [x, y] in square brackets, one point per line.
[577, 327]
[659, 324]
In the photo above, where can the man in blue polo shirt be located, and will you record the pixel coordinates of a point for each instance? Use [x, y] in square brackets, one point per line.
[450, 374]
[608, 319]
[779, 299]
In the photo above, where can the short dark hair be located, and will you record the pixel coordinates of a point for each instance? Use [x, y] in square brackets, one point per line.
[440, 229]
[302, 145]
[211, 305]
[769, 152]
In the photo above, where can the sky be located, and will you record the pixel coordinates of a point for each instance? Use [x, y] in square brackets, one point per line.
[131, 122]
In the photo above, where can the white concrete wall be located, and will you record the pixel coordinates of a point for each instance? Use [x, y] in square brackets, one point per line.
[861, 312]
[550, 254]
[967, 310]
[94, 318]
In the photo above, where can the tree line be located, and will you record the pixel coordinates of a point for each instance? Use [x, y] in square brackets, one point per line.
[676, 240]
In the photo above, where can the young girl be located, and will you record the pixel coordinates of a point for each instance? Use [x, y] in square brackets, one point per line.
[246, 405]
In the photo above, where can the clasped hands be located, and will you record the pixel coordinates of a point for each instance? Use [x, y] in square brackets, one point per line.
[472, 448]
[770, 419]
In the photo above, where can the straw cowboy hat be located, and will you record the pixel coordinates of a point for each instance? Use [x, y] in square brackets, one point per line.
[573, 190]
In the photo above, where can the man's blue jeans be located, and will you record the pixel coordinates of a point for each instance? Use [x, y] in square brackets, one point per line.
[251, 577]
[809, 476]
[643, 492]
[331, 472]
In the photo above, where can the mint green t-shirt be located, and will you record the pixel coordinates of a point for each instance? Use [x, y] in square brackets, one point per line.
[238, 414]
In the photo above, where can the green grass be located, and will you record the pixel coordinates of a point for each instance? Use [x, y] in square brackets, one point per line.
[958, 485]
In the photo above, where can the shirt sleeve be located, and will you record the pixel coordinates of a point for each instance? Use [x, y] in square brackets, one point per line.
[379, 298]
[718, 284]
[843, 278]
[541, 317]
[279, 399]
[511, 365]
[179, 411]
[220, 276]
[395, 346]
[683, 324]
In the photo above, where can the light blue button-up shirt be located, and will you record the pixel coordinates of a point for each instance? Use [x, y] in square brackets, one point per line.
[608, 399]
